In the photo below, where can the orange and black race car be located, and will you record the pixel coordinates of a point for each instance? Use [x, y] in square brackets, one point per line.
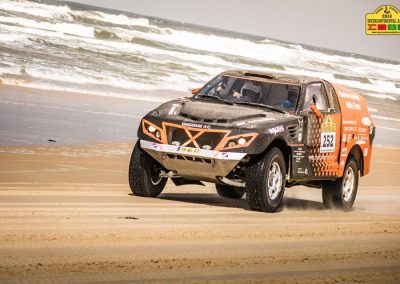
[257, 133]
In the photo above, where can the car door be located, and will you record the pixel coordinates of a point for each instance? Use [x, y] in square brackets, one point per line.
[321, 131]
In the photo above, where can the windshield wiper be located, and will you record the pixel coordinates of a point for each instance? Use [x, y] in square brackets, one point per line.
[260, 105]
[218, 98]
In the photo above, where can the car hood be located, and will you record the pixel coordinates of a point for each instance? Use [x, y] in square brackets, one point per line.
[209, 112]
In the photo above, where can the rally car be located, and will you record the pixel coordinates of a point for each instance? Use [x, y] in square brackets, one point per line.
[256, 133]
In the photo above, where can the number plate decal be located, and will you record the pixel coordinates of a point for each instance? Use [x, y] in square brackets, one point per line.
[328, 135]
[328, 142]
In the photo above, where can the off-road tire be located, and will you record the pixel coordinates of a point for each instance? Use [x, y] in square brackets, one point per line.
[143, 180]
[230, 191]
[334, 194]
[257, 190]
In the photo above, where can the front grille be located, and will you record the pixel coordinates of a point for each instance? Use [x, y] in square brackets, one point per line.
[210, 138]
[177, 134]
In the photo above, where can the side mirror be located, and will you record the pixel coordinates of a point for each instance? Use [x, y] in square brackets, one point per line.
[316, 111]
[195, 91]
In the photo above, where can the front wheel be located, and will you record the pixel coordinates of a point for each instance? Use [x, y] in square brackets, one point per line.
[230, 191]
[144, 174]
[342, 192]
[265, 182]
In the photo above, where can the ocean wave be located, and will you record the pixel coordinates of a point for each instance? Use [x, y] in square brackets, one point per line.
[116, 20]
[60, 12]
[58, 45]
[363, 80]
[61, 28]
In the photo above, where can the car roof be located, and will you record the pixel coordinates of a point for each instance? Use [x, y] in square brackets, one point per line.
[270, 77]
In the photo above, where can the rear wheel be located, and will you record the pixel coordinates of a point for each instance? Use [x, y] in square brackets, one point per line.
[342, 192]
[265, 182]
[144, 174]
[230, 191]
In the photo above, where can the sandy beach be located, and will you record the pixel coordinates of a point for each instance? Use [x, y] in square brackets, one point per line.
[67, 214]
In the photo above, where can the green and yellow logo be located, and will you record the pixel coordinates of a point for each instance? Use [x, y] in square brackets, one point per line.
[385, 20]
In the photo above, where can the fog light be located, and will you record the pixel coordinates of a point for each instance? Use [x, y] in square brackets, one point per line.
[206, 147]
[241, 141]
[176, 143]
[231, 144]
[158, 134]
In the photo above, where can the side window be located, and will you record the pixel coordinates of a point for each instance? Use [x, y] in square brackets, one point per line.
[333, 100]
[316, 94]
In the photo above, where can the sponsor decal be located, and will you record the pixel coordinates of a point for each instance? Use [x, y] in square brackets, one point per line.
[350, 128]
[224, 154]
[276, 129]
[299, 154]
[188, 150]
[342, 163]
[328, 135]
[173, 109]
[385, 20]
[351, 105]
[154, 146]
[344, 152]
[361, 142]
[349, 122]
[344, 138]
[196, 125]
[366, 121]
[301, 171]
[365, 152]
[361, 137]
[349, 96]
[300, 136]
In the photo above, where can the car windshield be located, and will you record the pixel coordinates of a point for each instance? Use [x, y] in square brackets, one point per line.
[232, 90]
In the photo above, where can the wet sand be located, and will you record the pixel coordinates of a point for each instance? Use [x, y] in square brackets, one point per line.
[67, 216]
[31, 116]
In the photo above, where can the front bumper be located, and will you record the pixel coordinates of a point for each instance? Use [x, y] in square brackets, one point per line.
[193, 163]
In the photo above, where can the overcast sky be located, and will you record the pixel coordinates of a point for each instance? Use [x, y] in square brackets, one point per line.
[335, 24]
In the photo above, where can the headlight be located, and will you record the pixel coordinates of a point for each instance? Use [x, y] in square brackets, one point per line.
[153, 131]
[237, 141]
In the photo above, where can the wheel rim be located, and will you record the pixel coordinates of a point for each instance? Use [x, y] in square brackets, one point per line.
[274, 181]
[155, 175]
[348, 184]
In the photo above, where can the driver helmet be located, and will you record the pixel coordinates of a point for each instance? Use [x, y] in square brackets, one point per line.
[251, 88]
[292, 96]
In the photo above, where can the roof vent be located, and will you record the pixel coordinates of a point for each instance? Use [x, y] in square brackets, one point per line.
[266, 76]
